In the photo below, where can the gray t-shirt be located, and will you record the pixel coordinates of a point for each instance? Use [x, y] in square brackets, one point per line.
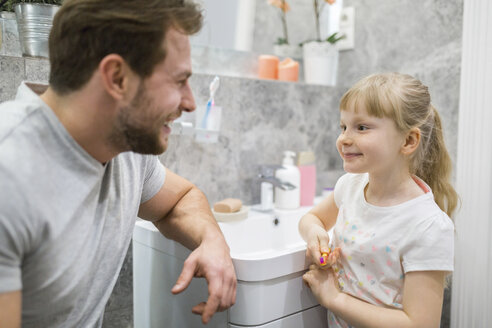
[65, 219]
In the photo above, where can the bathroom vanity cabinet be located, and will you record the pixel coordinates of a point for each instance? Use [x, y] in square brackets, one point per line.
[269, 266]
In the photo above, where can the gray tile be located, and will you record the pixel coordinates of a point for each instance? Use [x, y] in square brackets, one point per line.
[258, 124]
[10, 35]
[121, 318]
[12, 73]
[122, 295]
[37, 69]
[446, 309]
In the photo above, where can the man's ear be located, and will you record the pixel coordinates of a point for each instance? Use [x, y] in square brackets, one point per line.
[116, 76]
[412, 141]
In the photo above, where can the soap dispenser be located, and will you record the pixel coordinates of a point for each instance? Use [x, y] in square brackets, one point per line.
[288, 199]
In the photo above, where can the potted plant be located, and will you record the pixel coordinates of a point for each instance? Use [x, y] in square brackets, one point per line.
[282, 47]
[6, 5]
[34, 21]
[321, 55]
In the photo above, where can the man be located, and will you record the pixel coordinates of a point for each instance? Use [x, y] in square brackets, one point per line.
[78, 164]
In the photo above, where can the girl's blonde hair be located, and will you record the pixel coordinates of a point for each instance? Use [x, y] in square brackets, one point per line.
[407, 101]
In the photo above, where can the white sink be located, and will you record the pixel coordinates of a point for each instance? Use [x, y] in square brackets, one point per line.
[266, 245]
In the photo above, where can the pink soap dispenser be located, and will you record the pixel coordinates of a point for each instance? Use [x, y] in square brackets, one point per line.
[307, 168]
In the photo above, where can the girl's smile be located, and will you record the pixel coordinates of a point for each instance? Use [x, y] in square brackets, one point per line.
[350, 155]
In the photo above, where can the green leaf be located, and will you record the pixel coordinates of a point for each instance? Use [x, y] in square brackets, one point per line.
[281, 41]
[334, 38]
[307, 41]
[6, 5]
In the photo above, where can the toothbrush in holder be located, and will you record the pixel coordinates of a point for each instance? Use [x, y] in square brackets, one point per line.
[214, 85]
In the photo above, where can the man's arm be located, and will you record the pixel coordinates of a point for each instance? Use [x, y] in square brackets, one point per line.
[181, 212]
[10, 309]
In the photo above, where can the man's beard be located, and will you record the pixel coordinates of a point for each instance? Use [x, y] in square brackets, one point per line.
[138, 134]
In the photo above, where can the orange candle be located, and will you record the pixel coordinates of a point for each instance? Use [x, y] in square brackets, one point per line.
[268, 67]
[288, 70]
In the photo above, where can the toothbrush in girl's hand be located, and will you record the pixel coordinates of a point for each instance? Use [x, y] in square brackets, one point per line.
[214, 85]
[323, 260]
[329, 257]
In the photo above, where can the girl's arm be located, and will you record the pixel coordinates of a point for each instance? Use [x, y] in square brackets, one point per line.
[314, 225]
[422, 301]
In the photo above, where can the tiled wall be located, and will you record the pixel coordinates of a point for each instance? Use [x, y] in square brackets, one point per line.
[263, 118]
[9, 36]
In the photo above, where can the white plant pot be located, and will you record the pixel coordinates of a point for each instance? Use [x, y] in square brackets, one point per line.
[320, 63]
[287, 50]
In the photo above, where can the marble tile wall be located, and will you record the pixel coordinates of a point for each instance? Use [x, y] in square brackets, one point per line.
[263, 118]
[9, 35]
[258, 124]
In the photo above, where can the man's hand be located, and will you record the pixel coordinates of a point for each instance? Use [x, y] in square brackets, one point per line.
[181, 212]
[212, 261]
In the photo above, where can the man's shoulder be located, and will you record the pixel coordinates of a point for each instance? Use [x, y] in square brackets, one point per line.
[20, 137]
[135, 166]
[135, 160]
[13, 114]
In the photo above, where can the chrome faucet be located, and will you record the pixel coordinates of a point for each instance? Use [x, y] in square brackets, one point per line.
[268, 181]
[277, 182]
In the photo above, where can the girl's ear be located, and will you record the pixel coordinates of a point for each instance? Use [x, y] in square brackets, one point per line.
[412, 141]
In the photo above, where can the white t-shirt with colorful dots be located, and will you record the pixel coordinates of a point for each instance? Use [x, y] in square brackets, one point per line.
[380, 244]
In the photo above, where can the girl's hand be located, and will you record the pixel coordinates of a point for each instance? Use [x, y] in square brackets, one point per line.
[323, 284]
[317, 244]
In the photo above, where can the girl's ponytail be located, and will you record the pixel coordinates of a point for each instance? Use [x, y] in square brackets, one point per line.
[434, 164]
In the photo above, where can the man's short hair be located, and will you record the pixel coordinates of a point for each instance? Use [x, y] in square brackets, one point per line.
[85, 31]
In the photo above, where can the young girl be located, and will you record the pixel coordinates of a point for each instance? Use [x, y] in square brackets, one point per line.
[390, 211]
